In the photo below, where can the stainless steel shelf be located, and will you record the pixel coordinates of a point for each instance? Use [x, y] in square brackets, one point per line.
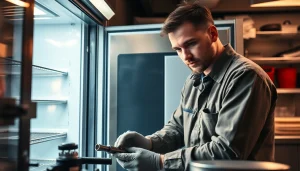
[46, 101]
[277, 35]
[275, 60]
[43, 137]
[34, 137]
[13, 67]
[50, 101]
[288, 90]
[43, 165]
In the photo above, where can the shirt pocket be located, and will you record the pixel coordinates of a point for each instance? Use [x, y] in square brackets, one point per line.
[189, 111]
[208, 123]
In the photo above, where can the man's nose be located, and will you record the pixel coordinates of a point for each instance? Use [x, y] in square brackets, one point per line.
[187, 56]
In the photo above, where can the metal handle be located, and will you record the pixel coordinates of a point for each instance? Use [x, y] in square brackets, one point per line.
[92, 160]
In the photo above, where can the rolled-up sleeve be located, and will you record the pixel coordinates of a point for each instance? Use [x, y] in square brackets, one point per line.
[245, 107]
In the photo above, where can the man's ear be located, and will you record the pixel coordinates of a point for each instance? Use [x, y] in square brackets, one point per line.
[213, 33]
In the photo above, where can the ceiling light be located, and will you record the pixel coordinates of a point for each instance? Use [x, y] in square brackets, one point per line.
[102, 6]
[19, 3]
[274, 3]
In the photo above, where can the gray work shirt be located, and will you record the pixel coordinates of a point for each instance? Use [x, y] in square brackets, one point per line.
[228, 115]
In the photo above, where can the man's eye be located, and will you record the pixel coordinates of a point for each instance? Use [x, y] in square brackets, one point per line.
[178, 50]
[191, 44]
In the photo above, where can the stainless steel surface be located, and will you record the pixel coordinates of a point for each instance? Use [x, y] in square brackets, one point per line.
[237, 165]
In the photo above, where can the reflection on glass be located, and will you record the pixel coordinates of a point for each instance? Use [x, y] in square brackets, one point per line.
[10, 49]
[10, 45]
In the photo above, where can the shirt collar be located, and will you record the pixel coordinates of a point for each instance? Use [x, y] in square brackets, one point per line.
[219, 67]
[222, 63]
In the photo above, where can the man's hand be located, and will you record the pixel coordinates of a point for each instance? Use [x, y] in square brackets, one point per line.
[139, 159]
[133, 139]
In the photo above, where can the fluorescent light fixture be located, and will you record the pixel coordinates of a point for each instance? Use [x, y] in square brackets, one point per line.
[19, 3]
[104, 8]
[274, 3]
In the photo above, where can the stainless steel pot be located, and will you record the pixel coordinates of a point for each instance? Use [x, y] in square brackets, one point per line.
[236, 165]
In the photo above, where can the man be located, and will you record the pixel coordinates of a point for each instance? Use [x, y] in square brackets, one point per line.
[226, 109]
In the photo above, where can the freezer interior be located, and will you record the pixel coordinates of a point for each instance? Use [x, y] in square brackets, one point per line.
[56, 79]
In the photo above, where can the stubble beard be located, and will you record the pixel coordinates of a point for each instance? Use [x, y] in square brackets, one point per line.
[199, 69]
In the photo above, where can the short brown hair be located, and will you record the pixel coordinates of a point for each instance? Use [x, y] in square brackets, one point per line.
[187, 12]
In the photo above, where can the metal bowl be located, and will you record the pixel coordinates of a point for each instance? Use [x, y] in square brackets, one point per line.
[236, 165]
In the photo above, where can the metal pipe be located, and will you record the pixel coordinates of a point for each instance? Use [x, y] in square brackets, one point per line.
[109, 149]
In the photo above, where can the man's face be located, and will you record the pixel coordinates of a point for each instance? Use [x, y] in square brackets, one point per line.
[194, 46]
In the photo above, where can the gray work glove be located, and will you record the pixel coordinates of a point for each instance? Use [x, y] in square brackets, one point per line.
[133, 139]
[139, 159]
